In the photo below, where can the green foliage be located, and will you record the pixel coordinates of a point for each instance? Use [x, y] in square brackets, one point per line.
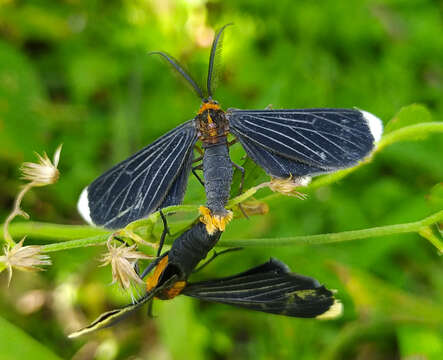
[77, 73]
[16, 344]
[408, 115]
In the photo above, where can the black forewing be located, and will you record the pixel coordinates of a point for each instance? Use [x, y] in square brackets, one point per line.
[112, 317]
[268, 288]
[277, 165]
[140, 184]
[177, 191]
[324, 138]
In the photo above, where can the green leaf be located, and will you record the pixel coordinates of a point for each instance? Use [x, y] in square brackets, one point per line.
[409, 115]
[16, 344]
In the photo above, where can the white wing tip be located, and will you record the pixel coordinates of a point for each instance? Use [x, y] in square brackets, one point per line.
[304, 180]
[83, 206]
[334, 311]
[375, 125]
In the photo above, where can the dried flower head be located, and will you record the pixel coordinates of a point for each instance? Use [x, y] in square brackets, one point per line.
[254, 207]
[287, 186]
[122, 259]
[26, 258]
[44, 172]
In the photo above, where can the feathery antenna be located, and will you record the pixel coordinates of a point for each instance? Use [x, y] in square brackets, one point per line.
[181, 71]
[217, 43]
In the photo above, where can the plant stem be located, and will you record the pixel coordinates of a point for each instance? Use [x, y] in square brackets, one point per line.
[53, 232]
[16, 211]
[412, 132]
[428, 234]
[416, 226]
[73, 244]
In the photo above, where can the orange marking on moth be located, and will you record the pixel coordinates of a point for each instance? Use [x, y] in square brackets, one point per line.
[214, 222]
[152, 281]
[208, 106]
[210, 121]
[212, 127]
[175, 289]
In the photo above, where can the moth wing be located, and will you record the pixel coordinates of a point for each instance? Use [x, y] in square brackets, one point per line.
[112, 317]
[154, 176]
[276, 165]
[270, 288]
[328, 139]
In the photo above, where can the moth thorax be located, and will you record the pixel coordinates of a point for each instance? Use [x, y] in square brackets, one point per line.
[212, 124]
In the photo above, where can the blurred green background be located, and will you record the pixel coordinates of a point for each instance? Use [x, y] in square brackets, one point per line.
[77, 72]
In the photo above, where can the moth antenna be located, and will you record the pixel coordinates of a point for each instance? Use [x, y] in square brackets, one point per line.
[181, 71]
[216, 48]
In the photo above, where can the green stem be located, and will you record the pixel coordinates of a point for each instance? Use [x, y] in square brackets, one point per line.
[416, 226]
[429, 235]
[73, 244]
[411, 132]
[16, 211]
[242, 197]
[67, 235]
[54, 232]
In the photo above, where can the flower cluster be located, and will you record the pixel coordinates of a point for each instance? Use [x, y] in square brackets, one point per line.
[288, 186]
[28, 258]
[44, 172]
[122, 259]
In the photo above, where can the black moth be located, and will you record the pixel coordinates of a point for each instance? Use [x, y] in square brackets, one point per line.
[288, 144]
[270, 287]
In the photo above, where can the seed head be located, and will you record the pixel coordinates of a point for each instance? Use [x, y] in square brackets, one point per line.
[287, 186]
[26, 258]
[44, 172]
[122, 259]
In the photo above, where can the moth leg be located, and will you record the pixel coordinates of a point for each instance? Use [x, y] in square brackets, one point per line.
[199, 150]
[269, 107]
[152, 265]
[242, 181]
[118, 238]
[200, 158]
[198, 167]
[164, 233]
[137, 268]
[214, 255]
[234, 141]
[150, 309]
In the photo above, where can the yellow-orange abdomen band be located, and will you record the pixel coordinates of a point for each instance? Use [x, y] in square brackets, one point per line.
[152, 281]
